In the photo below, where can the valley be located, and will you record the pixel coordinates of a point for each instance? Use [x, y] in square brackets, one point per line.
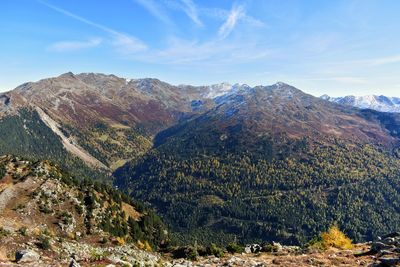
[219, 164]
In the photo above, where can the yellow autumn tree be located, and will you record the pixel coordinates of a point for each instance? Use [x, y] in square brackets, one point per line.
[336, 238]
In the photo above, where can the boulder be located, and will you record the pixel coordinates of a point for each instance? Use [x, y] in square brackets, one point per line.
[254, 248]
[26, 256]
[389, 261]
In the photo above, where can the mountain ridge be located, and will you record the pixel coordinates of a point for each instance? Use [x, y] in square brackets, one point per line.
[376, 102]
[236, 165]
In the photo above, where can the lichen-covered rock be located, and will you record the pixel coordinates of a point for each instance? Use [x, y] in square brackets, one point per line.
[26, 256]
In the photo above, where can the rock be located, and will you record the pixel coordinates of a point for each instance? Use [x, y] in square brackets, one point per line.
[254, 248]
[73, 263]
[278, 246]
[394, 234]
[389, 261]
[26, 256]
[378, 246]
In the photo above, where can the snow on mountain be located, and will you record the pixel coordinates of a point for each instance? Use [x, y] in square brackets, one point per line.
[379, 103]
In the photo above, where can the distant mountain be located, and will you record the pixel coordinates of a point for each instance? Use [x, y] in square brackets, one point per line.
[379, 103]
[272, 163]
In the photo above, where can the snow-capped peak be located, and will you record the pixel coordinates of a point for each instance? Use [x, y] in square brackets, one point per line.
[379, 103]
[216, 90]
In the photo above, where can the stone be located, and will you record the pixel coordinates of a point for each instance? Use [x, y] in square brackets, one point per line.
[389, 261]
[378, 246]
[73, 263]
[26, 256]
[254, 248]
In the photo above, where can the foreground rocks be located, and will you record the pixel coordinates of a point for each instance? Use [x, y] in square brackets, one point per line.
[26, 256]
[386, 250]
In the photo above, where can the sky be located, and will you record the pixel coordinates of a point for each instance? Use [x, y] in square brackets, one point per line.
[337, 47]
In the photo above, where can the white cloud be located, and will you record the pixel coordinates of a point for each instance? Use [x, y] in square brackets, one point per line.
[66, 46]
[127, 44]
[191, 11]
[218, 52]
[122, 41]
[382, 61]
[236, 13]
[155, 9]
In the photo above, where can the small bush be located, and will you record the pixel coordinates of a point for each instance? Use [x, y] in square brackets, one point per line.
[4, 232]
[44, 242]
[234, 248]
[23, 231]
[331, 238]
[187, 252]
[336, 238]
[271, 248]
[214, 250]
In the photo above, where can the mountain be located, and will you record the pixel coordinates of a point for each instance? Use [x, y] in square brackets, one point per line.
[47, 210]
[96, 120]
[379, 103]
[272, 163]
[218, 163]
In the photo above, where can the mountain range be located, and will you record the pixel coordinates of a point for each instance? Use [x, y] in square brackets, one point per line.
[379, 103]
[221, 162]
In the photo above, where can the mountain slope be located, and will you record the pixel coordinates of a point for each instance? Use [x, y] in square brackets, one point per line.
[103, 120]
[47, 209]
[378, 103]
[272, 163]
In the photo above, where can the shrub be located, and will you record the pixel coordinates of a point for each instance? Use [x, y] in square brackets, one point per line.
[44, 242]
[336, 238]
[214, 250]
[23, 231]
[4, 232]
[234, 248]
[270, 248]
[187, 252]
[331, 238]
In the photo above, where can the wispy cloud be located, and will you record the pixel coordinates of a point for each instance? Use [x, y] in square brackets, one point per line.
[212, 53]
[191, 11]
[66, 46]
[236, 13]
[382, 61]
[123, 41]
[155, 9]
[339, 79]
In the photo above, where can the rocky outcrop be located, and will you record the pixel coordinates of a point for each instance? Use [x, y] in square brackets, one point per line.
[26, 256]
[386, 250]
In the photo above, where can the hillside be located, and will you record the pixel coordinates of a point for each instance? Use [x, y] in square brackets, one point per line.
[46, 210]
[272, 163]
[220, 162]
[100, 120]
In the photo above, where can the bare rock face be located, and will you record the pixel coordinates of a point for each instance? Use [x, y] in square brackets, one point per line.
[27, 256]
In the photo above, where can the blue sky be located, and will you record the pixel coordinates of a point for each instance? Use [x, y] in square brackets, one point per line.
[337, 47]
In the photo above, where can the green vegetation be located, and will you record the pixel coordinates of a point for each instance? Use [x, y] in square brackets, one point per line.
[25, 134]
[234, 248]
[44, 242]
[112, 145]
[149, 227]
[306, 185]
[192, 252]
